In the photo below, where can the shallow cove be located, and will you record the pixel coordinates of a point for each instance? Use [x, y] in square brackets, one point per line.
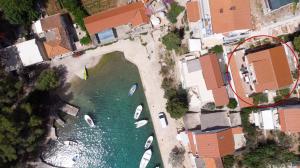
[115, 142]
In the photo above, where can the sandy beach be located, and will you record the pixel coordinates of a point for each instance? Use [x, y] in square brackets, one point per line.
[151, 79]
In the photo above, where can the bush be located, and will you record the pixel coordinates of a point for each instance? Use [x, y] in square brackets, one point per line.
[277, 98]
[174, 12]
[228, 161]
[77, 11]
[283, 92]
[85, 40]
[295, 74]
[177, 104]
[259, 98]
[268, 154]
[296, 43]
[248, 128]
[172, 41]
[218, 49]
[176, 157]
[47, 80]
[232, 103]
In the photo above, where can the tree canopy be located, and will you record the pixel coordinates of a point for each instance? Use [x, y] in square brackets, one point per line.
[268, 154]
[47, 80]
[20, 12]
[177, 104]
[172, 41]
[232, 103]
[296, 43]
[21, 125]
[174, 12]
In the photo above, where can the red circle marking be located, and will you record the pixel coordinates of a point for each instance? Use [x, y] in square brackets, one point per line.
[269, 105]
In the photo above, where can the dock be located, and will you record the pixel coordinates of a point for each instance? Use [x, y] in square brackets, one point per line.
[69, 109]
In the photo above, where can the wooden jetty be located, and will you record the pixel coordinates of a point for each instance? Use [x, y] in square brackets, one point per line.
[69, 109]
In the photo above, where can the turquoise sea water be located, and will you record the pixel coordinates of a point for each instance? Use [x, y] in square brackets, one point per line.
[115, 142]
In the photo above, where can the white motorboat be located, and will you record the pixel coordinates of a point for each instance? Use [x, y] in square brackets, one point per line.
[148, 142]
[70, 143]
[146, 158]
[140, 123]
[138, 112]
[132, 89]
[89, 120]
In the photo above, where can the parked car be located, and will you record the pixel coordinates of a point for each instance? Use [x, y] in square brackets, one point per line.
[163, 119]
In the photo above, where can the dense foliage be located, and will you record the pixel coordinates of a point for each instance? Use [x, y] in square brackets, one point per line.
[218, 49]
[47, 80]
[172, 41]
[85, 40]
[268, 154]
[232, 103]
[249, 129]
[174, 12]
[77, 11]
[228, 161]
[259, 98]
[19, 11]
[177, 104]
[21, 127]
[296, 43]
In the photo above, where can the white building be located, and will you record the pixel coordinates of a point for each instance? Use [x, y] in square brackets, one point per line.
[267, 119]
[29, 52]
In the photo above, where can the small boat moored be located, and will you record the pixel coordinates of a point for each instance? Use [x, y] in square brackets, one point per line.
[146, 158]
[89, 120]
[138, 112]
[148, 142]
[132, 89]
[140, 123]
[70, 143]
[85, 73]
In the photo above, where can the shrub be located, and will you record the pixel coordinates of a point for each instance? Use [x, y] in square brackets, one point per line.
[232, 103]
[283, 92]
[172, 41]
[296, 43]
[177, 104]
[176, 156]
[295, 74]
[77, 11]
[47, 80]
[228, 161]
[85, 40]
[277, 98]
[174, 12]
[259, 98]
[218, 49]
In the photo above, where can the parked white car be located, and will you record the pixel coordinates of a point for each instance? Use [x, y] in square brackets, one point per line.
[163, 119]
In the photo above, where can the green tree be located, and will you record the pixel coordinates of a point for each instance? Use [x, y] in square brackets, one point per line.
[228, 161]
[177, 104]
[218, 49]
[85, 40]
[259, 98]
[296, 43]
[232, 103]
[21, 12]
[76, 9]
[47, 80]
[268, 154]
[172, 41]
[174, 12]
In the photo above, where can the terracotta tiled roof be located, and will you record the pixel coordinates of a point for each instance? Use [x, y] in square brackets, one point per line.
[229, 15]
[192, 143]
[134, 14]
[289, 118]
[214, 144]
[192, 9]
[237, 81]
[57, 37]
[271, 69]
[213, 162]
[237, 130]
[213, 78]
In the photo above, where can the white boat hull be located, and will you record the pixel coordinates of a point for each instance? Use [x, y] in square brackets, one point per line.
[146, 158]
[140, 123]
[138, 112]
[149, 142]
[89, 121]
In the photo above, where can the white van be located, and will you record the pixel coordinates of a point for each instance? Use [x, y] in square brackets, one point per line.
[163, 119]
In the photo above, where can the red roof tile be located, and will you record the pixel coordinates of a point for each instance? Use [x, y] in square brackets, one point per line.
[213, 78]
[289, 118]
[134, 14]
[214, 144]
[229, 15]
[192, 9]
[271, 69]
